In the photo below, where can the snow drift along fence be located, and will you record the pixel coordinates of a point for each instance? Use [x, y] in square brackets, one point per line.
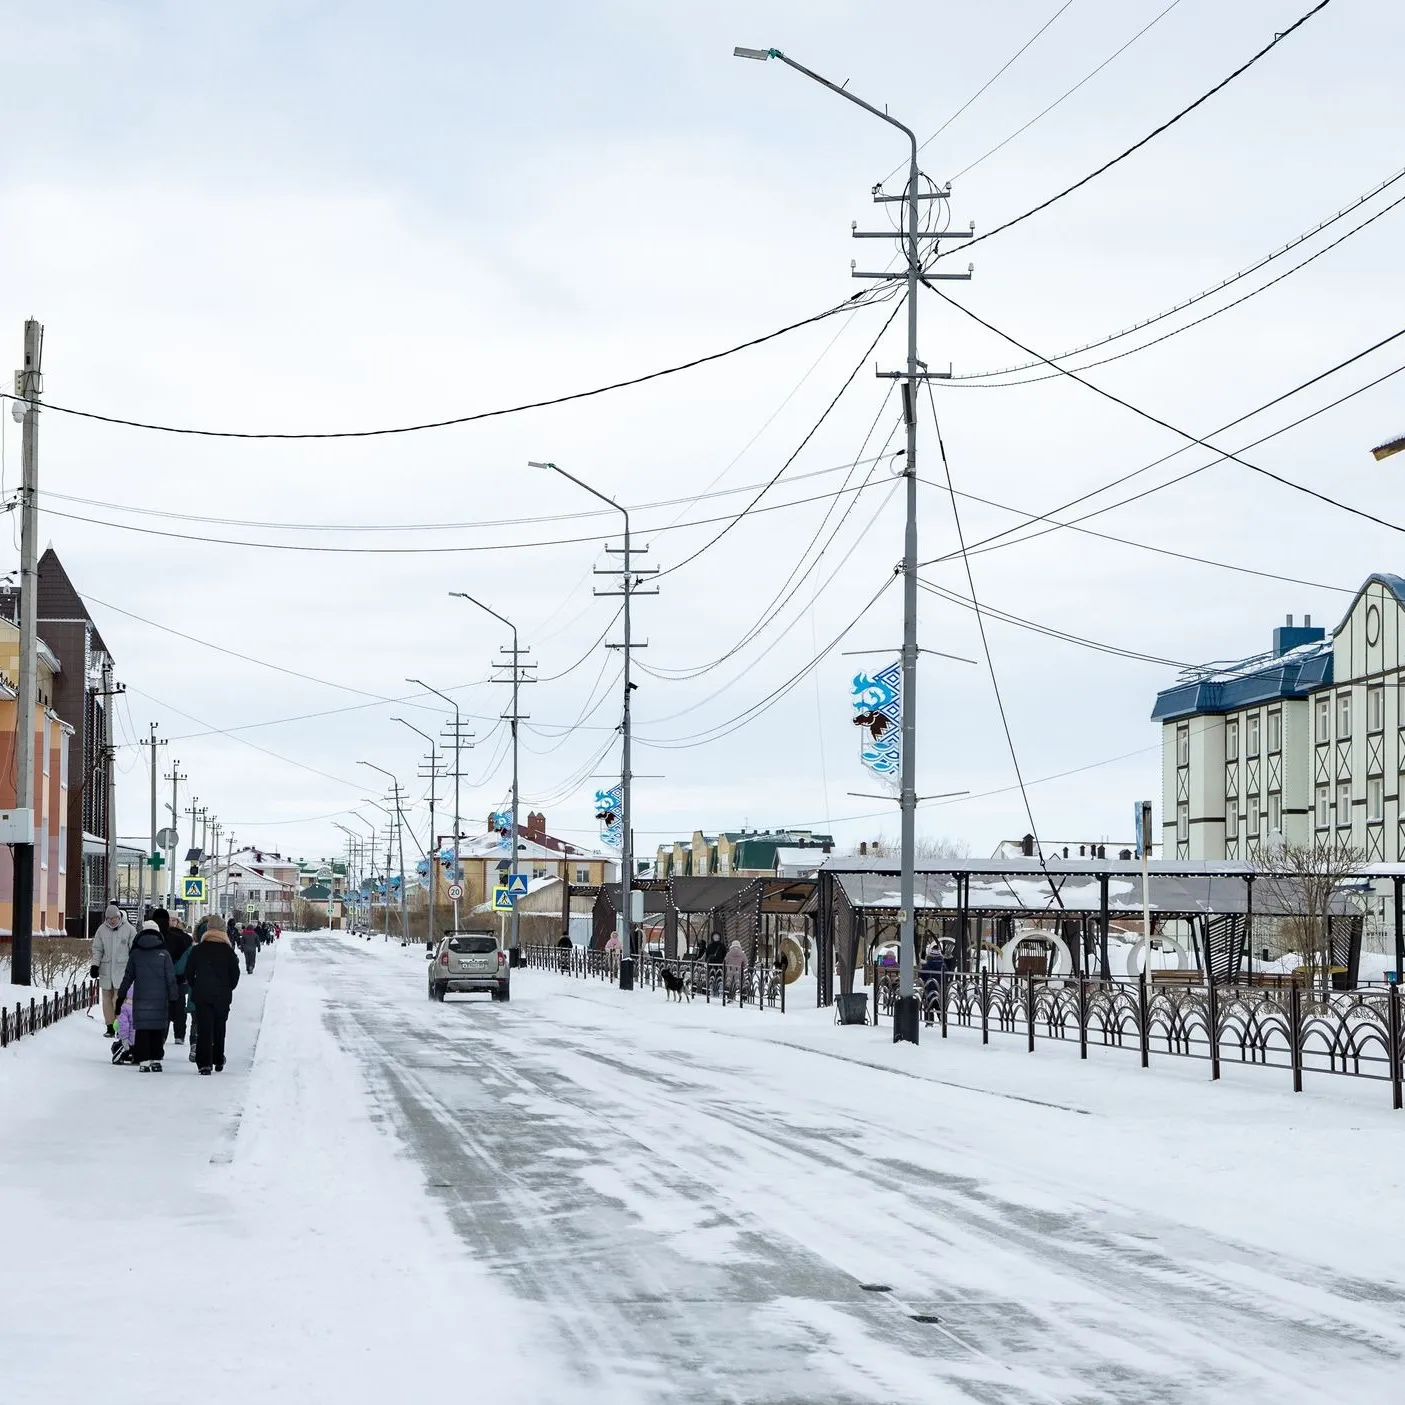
[1355, 1033]
[40, 1013]
[752, 985]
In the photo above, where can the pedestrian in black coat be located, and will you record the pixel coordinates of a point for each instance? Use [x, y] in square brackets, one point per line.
[151, 977]
[177, 943]
[213, 971]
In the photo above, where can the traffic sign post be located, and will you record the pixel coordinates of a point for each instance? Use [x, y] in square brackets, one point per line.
[455, 891]
[517, 885]
[502, 900]
[193, 889]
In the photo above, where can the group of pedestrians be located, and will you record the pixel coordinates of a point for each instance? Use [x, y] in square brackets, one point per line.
[169, 976]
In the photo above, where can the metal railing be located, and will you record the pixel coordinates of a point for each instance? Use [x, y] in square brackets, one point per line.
[1355, 1033]
[43, 1011]
[753, 984]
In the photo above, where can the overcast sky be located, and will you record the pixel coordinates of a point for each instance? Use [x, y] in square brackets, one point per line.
[316, 216]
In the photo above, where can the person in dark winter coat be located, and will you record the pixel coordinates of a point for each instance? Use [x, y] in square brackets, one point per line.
[177, 942]
[249, 942]
[212, 969]
[151, 977]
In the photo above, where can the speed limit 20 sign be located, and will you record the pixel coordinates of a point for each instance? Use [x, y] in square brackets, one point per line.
[455, 891]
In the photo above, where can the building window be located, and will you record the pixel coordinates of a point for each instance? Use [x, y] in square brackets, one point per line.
[1251, 734]
[538, 871]
[1182, 746]
[1324, 806]
[1275, 813]
[1231, 817]
[1182, 823]
[1375, 709]
[1231, 740]
[1324, 719]
[1375, 799]
[1343, 802]
[582, 875]
[1251, 815]
[1275, 731]
[1343, 716]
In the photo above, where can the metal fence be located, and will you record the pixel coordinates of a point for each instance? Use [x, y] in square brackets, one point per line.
[42, 1012]
[754, 984]
[1287, 1026]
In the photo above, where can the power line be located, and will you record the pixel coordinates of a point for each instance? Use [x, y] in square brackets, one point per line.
[729, 519]
[857, 300]
[490, 524]
[985, 642]
[996, 542]
[1068, 92]
[988, 82]
[1184, 433]
[750, 714]
[810, 434]
[1150, 136]
[964, 380]
[778, 600]
[1032, 517]
[966, 603]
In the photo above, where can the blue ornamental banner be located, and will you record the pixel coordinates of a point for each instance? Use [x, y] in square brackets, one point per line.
[502, 822]
[878, 709]
[608, 806]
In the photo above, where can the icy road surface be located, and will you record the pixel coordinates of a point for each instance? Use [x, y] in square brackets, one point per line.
[584, 1196]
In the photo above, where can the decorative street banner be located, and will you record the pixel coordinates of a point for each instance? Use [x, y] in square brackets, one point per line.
[608, 804]
[878, 708]
[502, 822]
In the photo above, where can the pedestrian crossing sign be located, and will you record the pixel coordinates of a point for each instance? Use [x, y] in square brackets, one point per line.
[502, 900]
[193, 889]
[517, 884]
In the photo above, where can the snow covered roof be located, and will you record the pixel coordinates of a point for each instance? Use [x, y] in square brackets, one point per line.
[493, 846]
[1070, 888]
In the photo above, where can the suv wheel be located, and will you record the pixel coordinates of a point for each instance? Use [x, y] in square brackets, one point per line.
[503, 992]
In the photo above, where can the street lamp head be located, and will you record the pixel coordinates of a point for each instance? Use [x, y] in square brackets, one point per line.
[1391, 446]
[762, 54]
[532, 463]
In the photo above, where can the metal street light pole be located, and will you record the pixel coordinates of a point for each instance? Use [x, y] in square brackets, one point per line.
[400, 836]
[907, 1013]
[433, 847]
[626, 833]
[371, 852]
[514, 944]
[458, 771]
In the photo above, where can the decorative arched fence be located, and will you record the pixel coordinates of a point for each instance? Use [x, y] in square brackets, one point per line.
[755, 984]
[43, 1011]
[1289, 1026]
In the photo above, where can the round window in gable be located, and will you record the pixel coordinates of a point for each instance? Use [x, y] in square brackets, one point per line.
[1373, 625]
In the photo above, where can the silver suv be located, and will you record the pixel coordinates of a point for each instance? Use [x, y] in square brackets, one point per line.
[469, 961]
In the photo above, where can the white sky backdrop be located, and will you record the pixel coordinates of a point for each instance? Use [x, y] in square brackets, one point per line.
[304, 216]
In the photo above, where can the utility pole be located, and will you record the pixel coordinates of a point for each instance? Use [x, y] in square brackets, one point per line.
[433, 776]
[152, 742]
[228, 866]
[517, 676]
[631, 577]
[109, 691]
[907, 1012]
[29, 384]
[175, 779]
[460, 739]
[631, 584]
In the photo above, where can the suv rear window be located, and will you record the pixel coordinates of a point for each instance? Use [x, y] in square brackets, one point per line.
[473, 946]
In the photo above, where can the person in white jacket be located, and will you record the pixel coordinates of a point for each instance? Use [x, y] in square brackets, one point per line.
[112, 944]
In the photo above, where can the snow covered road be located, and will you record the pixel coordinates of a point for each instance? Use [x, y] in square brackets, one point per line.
[585, 1196]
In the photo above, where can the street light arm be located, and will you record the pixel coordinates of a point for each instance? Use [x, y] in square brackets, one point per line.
[833, 88]
[413, 728]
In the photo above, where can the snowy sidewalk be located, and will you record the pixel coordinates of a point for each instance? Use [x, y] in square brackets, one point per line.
[244, 1237]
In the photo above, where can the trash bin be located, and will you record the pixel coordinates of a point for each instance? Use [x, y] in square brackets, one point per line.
[851, 1009]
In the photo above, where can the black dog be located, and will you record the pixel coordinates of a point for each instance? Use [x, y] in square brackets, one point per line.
[674, 984]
